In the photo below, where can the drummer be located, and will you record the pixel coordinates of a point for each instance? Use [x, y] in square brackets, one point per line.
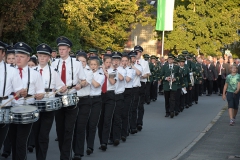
[9, 82]
[73, 76]
[84, 104]
[33, 84]
[52, 82]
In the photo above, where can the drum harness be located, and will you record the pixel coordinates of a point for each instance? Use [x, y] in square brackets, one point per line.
[4, 86]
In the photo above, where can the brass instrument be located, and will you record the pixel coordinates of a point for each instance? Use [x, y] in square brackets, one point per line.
[171, 78]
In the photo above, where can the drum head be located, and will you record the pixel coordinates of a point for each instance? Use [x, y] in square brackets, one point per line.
[23, 109]
[47, 99]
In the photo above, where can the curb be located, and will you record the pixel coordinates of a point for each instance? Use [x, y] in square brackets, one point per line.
[209, 126]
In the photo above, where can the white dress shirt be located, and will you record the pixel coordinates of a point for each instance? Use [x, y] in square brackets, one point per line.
[110, 87]
[99, 78]
[131, 74]
[36, 85]
[120, 85]
[146, 69]
[13, 82]
[85, 91]
[56, 82]
[78, 72]
[136, 80]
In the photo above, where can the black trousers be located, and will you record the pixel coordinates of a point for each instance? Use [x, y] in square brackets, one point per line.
[153, 90]
[196, 92]
[65, 124]
[221, 83]
[204, 85]
[41, 130]
[188, 97]
[3, 134]
[193, 93]
[31, 139]
[105, 122]
[7, 143]
[215, 86]
[182, 100]
[19, 134]
[177, 100]
[141, 103]
[201, 89]
[84, 108]
[148, 92]
[169, 101]
[117, 117]
[209, 86]
[96, 107]
[133, 115]
[125, 111]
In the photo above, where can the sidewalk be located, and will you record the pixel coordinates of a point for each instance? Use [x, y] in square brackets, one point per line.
[221, 142]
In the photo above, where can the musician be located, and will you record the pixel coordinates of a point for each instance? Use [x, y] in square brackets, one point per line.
[127, 95]
[72, 75]
[33, 83]
[180, 84]
[145, 74]
[52, 82]
[119, 98]
[9, 59]
[108, 102]
[197, 80]
[169, 74]
[109, 50]
[33, 62]
[149, 80]
[136, 89]
[96, 102]
[154, 77]
[53, 55]
[84, 104]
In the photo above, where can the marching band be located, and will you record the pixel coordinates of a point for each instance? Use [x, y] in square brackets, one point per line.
[87, 94]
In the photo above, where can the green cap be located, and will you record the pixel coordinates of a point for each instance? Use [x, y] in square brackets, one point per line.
[92, 50]
[108, 49]
[153, 57]
[170, 55]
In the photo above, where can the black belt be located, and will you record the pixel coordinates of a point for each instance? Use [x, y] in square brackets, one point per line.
[83, 97]
[48, 90]
[95, 96]
[112, 91]
[3, 98]
[128, 88]
[136, 87]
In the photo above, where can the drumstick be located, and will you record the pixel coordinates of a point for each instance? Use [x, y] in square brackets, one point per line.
[32, 96]
[55, 92]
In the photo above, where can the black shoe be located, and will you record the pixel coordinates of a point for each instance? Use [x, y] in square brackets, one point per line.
[148, 102]
[30, 149]
[110, 142]
[5, 154]
[103, 147]
[116, 142]
[89, 151]
[133, 131]
[154, 100]
[181, 110]
[56, 139]
[77, 157]
[139, 127]
[176, 113]
[220, 94]
[196, 102]
[123, 138]
[186, 106]
[171, 114]
[190, 104]
[208, 95]
[167, 115]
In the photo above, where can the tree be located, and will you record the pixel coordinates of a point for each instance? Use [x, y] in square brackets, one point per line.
[209, 24]
[14, 14]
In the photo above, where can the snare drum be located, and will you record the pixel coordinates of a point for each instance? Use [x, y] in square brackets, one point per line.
[48, 104]
[4, 115]
[24, 114]
[69, 100]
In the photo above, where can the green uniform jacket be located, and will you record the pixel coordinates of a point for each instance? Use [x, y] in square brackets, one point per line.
[198, 74]
[166, 72]
[186, 76]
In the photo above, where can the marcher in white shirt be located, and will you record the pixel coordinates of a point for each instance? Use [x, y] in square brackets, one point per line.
[84, 104]
[108, 102]
[73, 76]
[128, 95]
[52, 82]
[146, 72]
[119, 98]
[10, 81]
[96, 102]
[33, 83]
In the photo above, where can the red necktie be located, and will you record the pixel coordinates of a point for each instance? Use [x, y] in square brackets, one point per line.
[104, 87]
[63, 76]
[20, 72]
[41, 71]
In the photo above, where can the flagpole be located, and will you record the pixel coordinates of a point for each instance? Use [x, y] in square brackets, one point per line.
[162, 43]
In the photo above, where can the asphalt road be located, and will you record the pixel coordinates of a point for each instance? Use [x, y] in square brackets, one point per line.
[161, 138]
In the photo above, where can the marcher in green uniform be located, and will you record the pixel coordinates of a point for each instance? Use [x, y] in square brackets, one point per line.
[169, 75]
[154, 77]
[197, 80]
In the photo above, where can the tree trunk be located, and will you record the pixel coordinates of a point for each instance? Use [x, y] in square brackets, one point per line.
[1, 26]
